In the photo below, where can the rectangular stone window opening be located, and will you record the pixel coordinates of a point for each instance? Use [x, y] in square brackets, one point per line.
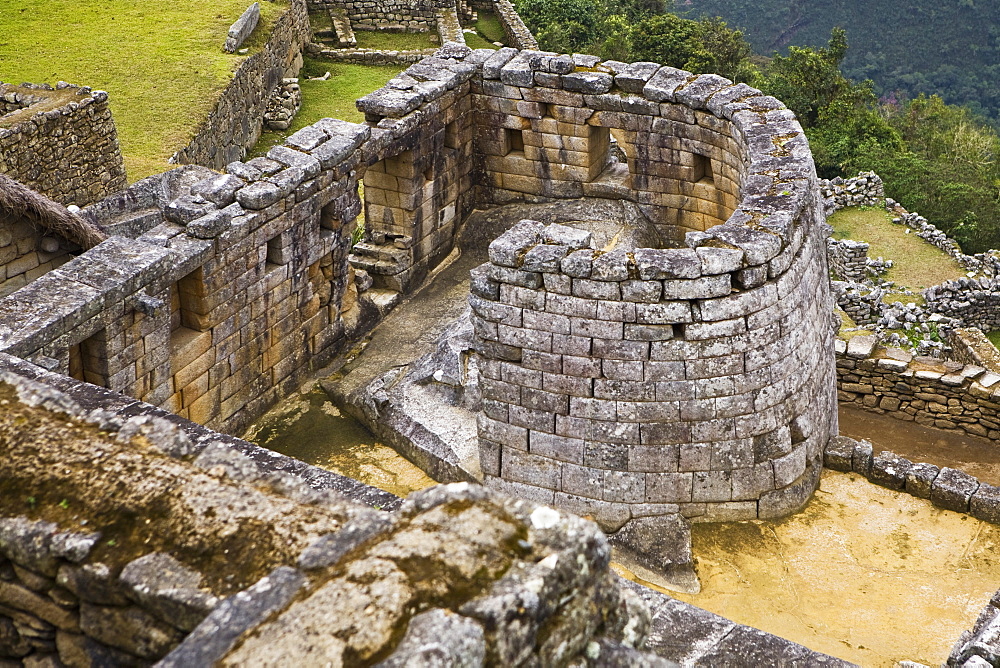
[702, 169]
[513, 141]
[279, 249]
[88, 360]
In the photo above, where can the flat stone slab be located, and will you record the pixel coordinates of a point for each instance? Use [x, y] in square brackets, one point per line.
[658, 550]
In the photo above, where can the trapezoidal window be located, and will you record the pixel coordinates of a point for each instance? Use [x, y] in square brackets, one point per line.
[702, 169]
[513, 141]
[279, 249]
[88, 360]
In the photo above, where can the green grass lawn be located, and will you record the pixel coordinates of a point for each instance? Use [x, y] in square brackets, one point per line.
[394, 41]
[474, 41]
[161, 62]
[994, 337]
[333, 98]
[490, 28]
[916, 263]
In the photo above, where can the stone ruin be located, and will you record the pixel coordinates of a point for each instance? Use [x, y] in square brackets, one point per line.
[682, 369]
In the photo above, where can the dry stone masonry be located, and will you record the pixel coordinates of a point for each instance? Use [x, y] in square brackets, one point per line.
[629, 382]
[234, 124]
[61, 142]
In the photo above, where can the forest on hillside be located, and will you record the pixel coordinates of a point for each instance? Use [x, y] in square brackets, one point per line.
[936, 157]
[949, 48]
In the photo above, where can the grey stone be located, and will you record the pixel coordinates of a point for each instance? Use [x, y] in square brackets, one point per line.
[509, 248]
[605, 653]
[219, 190]
[889, 470]
[130, 629]
[258, 195]
[662, 86]
[839, 453]
[216, 635]
[210, 225]
[920, 478]
[544, 258]
[289, 157]
[985, 503]
[564, 235]
[496, 62]
[329, 549]
[658, 550]
[592, 83]
[167, 588]
[633, 78]
[952, 489]
[861, 459]
[439, 639]
[186, 208]
[29, 543]
[242, 28]
[159, 433]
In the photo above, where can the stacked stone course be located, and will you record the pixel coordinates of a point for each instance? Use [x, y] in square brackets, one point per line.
[62, 143]
[931, 392]
[622, 383]
[848, 259]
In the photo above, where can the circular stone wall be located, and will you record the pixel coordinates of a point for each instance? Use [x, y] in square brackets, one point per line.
[640, 382]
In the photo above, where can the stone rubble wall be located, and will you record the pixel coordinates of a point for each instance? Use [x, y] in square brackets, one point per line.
[980, 646]
[234, 125]
[62, 143]
[946, 487]
[518, 34]
[933, 393]
[285, 102]
[627, 383]
[865, 189]
[975, 302]
[190, 555]
[374, 56]
[408, 15]
[848, 259]
[970, 346]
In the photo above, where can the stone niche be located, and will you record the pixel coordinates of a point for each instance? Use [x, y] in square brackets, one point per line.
[627, 382]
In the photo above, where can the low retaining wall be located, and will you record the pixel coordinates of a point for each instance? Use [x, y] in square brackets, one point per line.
[234, 125]
[970, 346]
[62, 143]
[518, 34]
[925, 390]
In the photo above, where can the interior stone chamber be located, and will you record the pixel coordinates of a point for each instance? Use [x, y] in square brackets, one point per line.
[626, 382]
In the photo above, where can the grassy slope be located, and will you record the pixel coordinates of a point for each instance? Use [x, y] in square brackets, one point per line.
[162, 62]
[333, 98]
[917, 264]
[490, 28]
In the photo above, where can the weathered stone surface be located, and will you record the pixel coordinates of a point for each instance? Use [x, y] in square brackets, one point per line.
[129, 629]
[985, 503]
[658, 550]
[242, 28]
[890, 470]
[331, 548]
[216, 635]
[164, 586]
[952, 489]
[839, 453]
[439, 638]
[159, 433]
[920, 478]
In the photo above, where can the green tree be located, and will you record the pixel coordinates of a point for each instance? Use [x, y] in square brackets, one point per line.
[564, 25]
[809, 80]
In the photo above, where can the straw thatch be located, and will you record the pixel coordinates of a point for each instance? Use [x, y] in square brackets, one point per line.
[18, 202]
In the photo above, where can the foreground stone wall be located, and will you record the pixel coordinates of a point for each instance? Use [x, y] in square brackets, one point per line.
[189, 553]
[62, 143]
[234, 125]
[629, 382]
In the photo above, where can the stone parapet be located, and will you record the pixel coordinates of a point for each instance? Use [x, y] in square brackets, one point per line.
[61, 142]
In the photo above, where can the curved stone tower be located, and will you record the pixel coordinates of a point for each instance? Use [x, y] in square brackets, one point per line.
[623, 383]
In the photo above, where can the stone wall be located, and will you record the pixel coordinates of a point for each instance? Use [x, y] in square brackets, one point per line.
[221, 293]
[62, 143]
[970, 346]
[27, 252]
[408, 15]
[628, 382]
[933, 393]
[234, 125]
[191, 554]
[518, 34]
[848, 259]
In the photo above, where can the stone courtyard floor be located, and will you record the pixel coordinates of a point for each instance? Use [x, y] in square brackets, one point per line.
[864, 573]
